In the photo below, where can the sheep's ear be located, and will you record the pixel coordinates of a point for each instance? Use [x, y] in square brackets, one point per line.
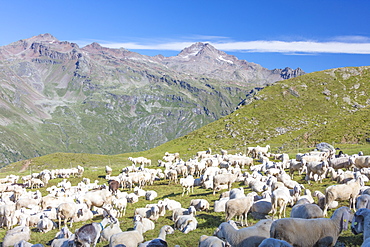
[364, 212]
[346, 216]
[203, 237]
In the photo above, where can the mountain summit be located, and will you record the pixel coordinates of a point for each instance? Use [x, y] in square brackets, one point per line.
[58, 97]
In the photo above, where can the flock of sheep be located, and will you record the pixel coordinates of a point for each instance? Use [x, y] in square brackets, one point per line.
[268, 176]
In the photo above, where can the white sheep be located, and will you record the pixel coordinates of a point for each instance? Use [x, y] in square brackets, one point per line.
[236, 193]
[306, 211]
[108, 170]
[343, 192]
[83, 214]
[171, 204]
[187, 184]
[360, 161]
[360, 224]
[248, 236]
[239, 207]
[15, 235]
[318, 168]
[321, 200]
[24, 243]
[340, 162]
[151, 213]
[132, 198]
[363, 201]
[211, 241]
[323, 231]
[262, 207]
[220, 205]
[307, 195]
[296, 165]
[98, 198]
[186, 223]
[177, 212]
[120, 204]
[200, 204]
[273, 242]
[166, 229]
[147, 223]
[63, 233]
[219, 179]
[67, 211]
[150, 195]
[7, 212]
[139, 192]
[280, 198]
[110, 230]
[63, 242]
[45, 224]
[128, 238]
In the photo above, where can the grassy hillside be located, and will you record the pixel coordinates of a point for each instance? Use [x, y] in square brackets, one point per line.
[331, 106]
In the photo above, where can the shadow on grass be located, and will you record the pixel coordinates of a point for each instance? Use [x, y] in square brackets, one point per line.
[210, 220]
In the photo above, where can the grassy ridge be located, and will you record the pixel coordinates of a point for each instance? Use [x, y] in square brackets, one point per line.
[331, 106]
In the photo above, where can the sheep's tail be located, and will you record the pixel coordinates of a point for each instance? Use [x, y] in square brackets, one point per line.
[329, 197]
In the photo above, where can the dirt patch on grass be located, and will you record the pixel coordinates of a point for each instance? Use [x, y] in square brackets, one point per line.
[25, 165]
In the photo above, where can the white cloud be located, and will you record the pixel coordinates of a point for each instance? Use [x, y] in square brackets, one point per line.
[296, 47]
[341, 44]
[352, 39]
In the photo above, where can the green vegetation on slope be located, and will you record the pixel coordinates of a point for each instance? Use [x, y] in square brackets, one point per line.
[328, 106]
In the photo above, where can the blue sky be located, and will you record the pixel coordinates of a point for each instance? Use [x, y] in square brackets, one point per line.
[313, 35]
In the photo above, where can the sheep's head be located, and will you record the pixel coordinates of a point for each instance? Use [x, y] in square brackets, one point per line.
[190, 226]
[357, 225]
[219, 231]
[169, 229]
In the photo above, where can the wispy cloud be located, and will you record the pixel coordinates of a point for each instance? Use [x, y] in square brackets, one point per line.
[296, 47]
[341, 44]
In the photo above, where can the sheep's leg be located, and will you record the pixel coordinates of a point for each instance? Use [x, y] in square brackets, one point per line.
[241, 219]
[229, 217]
[281, 209]
[284, 208]
[246, 218]
[352, 204]
[325, 213]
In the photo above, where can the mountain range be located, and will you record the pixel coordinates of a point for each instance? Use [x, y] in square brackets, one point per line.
[58, 97]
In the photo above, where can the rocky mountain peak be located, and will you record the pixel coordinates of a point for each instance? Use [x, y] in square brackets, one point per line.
[93, 47]
[195, 49]
[47, 37]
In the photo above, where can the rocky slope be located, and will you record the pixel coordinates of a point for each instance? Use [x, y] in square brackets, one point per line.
[56, 96]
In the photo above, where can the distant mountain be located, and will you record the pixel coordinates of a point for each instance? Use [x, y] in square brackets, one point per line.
[56, 96]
